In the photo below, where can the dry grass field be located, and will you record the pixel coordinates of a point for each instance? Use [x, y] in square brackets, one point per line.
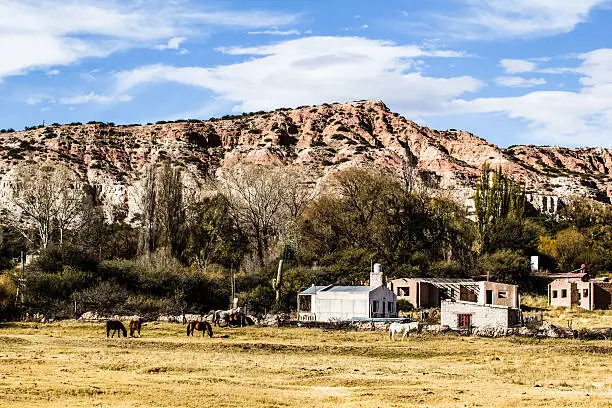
[72, 364]
[561, 316]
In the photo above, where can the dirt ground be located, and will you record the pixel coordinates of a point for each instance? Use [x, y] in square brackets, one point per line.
[71, 364]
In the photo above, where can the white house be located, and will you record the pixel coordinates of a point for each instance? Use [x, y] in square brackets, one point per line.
[339, 303]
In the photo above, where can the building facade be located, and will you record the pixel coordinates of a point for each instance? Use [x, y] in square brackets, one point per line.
[588, 295]
[342, 303]
[430, 292]
[467, 315]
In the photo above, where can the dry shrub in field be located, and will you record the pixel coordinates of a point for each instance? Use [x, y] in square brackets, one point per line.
[8, 291]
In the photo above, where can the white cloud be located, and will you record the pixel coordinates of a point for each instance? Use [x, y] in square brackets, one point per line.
[519, 82]
[365, 26]
[46, 33]
[582, 117]
[53, 72]
[275, 32]
[517, 66]
[173, 43]
[94, 98]
[314, 70]
[34, 100]
[492, 19]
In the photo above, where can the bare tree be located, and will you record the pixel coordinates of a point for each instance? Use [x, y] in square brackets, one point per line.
[256, 195]
[147, 205]
[44, 197]
[171, 208]
[162, 209]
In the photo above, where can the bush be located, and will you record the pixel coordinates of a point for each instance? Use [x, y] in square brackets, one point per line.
[8, 291]
[403, 305]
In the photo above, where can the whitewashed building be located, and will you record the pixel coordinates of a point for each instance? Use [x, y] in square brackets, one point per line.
[341, 303]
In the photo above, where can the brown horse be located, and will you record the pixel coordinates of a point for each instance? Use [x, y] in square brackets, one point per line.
[115, 326]
[239, 320]
[202, 326]
[135, 326]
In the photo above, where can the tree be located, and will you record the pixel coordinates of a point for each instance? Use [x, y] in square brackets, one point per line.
[509, 266]
[171, 209]
[45, 198]
[256, 197]
[369, 214]
[147, 205]
[212, 234]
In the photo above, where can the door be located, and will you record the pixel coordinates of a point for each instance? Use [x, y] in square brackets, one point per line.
[489, 297]
[464, 321]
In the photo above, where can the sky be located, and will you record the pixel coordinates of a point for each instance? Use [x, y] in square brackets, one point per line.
[509, 71]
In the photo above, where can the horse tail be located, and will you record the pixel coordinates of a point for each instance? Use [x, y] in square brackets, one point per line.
[123, 329]
[108, 327]
[209, 329]
[188, 327]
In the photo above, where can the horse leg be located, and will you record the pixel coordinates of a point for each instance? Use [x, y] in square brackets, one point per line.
[405, 333]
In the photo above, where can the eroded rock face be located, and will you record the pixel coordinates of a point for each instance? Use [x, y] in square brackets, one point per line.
[317, 141]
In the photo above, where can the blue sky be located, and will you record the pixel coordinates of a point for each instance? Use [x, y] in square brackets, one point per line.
[512, 72]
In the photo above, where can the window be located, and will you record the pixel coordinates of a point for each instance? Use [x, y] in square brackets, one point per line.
[374, 306]
[464, 321]
[390, 304]
[554, 293]
[585, 293]
[403, 291]
[563, 293]
[502, 294]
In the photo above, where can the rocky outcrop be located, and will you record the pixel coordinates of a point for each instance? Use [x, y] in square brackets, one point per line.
[315, 140]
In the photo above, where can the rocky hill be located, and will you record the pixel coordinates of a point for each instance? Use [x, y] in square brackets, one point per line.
[316, 140]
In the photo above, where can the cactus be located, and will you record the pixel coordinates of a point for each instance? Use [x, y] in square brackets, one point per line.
[277, 283]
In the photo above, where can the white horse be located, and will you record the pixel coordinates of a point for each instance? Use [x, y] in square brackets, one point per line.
[396, 328]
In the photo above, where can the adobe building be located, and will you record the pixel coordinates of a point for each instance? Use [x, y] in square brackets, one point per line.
[430, 292]
[588, 295]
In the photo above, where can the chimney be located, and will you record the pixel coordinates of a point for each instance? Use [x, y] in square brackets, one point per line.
[376, 276]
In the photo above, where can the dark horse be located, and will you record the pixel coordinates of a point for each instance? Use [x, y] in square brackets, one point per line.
[115, 326]
[239, 320]
[135, 326]
[202, 326]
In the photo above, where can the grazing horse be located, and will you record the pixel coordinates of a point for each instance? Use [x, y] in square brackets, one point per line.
[115, 326]
[236, 319]
[396, 328]
[204, 327]
[135, 326]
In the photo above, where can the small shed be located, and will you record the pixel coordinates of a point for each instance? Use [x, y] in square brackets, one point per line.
[341, 303]
[467, 315]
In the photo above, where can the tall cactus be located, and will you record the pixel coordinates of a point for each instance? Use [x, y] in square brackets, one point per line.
[277, 283]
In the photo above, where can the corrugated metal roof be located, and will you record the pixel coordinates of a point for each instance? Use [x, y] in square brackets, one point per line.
[441, 280]
[333, 288]
[313, 289]
[350, 289]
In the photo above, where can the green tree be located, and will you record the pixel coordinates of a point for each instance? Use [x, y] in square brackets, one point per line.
[509, 266]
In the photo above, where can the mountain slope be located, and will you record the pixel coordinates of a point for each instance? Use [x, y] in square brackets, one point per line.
[315, 140]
